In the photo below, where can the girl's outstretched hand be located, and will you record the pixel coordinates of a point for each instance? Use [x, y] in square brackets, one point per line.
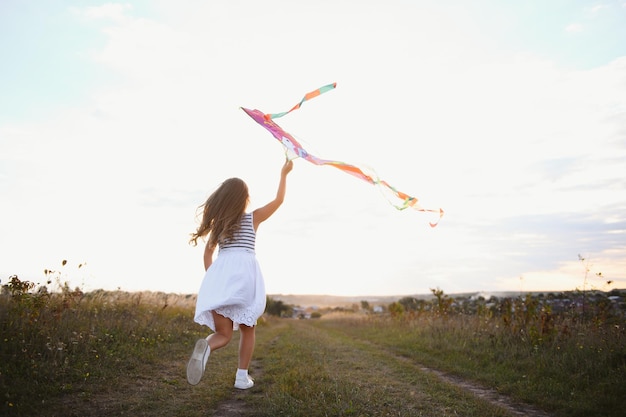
[287, 167]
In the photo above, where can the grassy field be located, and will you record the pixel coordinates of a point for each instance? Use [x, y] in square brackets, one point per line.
[115, 353]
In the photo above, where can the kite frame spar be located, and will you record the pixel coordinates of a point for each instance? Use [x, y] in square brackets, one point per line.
[294, 148]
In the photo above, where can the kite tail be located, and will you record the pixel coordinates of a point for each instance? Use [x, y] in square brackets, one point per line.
[307, 96]
[407, 200]
[293, 150]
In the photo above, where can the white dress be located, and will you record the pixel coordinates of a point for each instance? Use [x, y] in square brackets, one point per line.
[233, 286]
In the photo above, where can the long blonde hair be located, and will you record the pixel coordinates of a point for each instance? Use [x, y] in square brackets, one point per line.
[222, 212]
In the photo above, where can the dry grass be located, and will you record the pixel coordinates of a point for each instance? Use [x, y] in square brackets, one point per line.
[115, 353]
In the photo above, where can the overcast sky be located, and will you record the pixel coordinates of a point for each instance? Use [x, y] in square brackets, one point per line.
[117, 120]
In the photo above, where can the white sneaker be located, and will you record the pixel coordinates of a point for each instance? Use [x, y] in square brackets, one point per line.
[197, 362]
[244, 383]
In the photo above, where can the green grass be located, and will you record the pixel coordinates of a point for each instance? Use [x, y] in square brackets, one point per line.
[113, 353]
[578, 374]
[310, 371]
[103, 354]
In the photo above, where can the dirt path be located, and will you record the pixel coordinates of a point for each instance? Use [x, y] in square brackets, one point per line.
[236, 404]
[489, 395]
[353, 371]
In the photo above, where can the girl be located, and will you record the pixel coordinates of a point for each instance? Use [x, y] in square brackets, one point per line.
[232, 293]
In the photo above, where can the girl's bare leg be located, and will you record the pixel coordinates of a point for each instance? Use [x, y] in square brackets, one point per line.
[246, 345]
[221, 337]
[223, 332]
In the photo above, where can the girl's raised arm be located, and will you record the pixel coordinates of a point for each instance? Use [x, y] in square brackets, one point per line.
[263, 213]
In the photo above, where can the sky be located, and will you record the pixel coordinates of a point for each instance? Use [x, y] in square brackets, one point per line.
[117, 120]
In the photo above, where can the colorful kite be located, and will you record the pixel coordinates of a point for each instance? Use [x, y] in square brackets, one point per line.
[294, 150]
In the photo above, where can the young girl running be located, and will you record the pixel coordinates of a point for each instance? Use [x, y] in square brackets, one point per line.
[232, 293]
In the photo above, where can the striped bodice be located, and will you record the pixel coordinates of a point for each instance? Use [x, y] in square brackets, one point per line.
[245, 236]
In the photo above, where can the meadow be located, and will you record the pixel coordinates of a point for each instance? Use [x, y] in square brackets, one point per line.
[69, 353]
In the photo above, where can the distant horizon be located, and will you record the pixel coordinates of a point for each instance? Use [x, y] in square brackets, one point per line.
[428, 294]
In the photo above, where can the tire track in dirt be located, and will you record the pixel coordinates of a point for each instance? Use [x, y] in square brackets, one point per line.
[490, 395]
[487, 394]
[236, 405]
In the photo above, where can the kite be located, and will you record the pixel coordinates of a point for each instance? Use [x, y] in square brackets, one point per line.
[293, 149]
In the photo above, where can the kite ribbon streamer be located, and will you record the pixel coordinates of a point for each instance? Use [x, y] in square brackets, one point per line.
[293, 148]
[307, 96]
